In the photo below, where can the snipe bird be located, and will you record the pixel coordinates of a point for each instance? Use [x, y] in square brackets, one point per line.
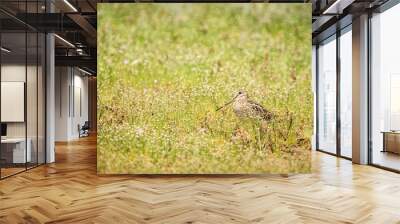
[245, 108]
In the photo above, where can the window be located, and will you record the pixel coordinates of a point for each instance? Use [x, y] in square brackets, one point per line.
[327, 95]
[385, 89]
[346, 92]
[22, 77]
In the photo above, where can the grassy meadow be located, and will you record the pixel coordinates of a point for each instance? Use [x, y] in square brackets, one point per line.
[164, 69]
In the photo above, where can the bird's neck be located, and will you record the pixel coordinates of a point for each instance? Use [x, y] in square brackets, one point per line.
[241, 100]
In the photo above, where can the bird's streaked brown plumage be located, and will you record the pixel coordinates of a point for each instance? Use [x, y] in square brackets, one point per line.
[245, 108]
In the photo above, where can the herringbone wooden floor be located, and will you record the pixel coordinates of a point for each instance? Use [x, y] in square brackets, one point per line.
[69, 191]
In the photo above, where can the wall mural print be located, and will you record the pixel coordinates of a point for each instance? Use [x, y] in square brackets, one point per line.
[204, 88]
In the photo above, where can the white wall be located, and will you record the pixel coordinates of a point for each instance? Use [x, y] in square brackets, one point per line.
[70, 83]
[80, 84]
[12, 73]
[62, 82]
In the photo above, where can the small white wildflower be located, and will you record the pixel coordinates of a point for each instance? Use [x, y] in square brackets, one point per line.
[202, 130]
[126, 61]
[139, 132]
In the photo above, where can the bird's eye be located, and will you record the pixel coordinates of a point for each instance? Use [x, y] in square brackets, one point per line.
[240, 92]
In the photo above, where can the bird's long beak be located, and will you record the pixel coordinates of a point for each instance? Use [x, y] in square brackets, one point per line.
[226, 104]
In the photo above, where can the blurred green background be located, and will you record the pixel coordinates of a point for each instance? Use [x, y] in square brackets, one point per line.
[163, 69]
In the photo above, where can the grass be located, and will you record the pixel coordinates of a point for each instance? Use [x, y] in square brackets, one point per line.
[165, 68]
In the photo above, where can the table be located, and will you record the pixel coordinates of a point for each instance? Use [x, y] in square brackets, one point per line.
[15, 148]
[391, 141]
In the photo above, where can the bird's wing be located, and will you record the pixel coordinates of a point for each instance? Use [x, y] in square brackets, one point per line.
[267, 115]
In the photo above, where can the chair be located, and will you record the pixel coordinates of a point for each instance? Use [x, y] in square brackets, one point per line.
[84, 130]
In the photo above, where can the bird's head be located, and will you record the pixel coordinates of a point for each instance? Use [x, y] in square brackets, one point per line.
[241, 95]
